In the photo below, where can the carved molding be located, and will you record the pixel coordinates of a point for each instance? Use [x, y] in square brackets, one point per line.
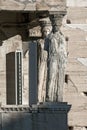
[15, 108]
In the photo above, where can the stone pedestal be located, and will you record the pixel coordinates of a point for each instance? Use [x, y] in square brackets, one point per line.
[50, 116]
[46, 116]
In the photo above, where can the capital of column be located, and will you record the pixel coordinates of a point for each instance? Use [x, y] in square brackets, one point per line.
[56, 20]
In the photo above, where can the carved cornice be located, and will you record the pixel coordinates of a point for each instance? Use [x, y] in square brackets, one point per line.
[52, 107]
[46, 106]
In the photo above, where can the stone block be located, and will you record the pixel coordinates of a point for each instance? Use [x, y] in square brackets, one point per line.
[50, 115]
[51, 5]
[77, 15]
[78, 118]
[79, 102]
[35, 32]
[77, 3]
[16, 121]
[11, 5]
[12, 44]
[75, 66]
[30, 6]
[75, 32]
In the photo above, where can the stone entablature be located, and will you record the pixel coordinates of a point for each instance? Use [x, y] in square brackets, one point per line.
[33, 5]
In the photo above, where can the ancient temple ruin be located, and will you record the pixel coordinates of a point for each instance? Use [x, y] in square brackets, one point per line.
[33, 58]
[33, 97]
[31, 46]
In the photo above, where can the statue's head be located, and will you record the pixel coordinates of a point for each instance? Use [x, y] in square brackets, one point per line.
[46, 30]
[46, 27]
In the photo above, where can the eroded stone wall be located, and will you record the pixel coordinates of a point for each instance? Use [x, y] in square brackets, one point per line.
[75, 90]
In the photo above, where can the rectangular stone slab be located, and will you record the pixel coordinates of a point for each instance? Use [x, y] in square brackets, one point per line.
[33, 5]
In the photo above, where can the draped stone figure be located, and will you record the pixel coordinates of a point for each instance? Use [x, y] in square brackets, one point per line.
[56, 60]
[42, 71]
[42, 63]
[56, 66]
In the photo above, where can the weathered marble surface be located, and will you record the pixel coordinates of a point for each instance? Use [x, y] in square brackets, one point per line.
[77, 15]
[76, 31]
[77, 3]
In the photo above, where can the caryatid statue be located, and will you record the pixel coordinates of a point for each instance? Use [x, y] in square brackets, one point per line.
[55, 46]
[43, 60]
